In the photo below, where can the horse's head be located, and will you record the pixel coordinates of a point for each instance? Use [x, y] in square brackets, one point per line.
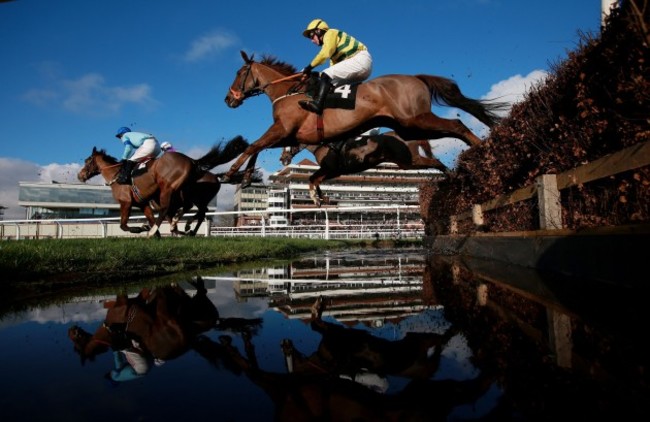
[253, 77]
[90, 168]
[85, 344]
[244, 85]
[288, 153]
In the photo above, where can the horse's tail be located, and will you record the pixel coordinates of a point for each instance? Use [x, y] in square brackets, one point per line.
[219, 154]
[446, 92]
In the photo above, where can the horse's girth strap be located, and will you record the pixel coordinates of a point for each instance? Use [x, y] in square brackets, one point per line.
[319, 128]
[136, 193]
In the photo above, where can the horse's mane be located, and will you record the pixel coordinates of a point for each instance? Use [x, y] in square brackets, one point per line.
[110, 159]
[278, 65]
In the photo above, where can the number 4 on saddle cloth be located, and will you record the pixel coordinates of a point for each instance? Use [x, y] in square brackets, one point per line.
[341, 96]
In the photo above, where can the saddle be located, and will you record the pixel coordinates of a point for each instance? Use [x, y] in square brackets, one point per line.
[340, 96]
[141, 168]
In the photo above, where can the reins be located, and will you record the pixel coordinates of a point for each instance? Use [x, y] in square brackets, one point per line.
[277, 81]
[242, 94]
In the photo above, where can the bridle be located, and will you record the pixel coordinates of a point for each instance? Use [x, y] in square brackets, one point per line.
[242, 93]
[132, 310]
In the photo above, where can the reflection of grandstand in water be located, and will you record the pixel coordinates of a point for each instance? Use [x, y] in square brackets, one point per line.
[371, 289]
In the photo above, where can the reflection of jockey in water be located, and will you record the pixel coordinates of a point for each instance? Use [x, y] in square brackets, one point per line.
[375, 382]
[131, 363]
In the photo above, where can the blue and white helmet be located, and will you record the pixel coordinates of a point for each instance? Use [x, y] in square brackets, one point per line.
[121, 131]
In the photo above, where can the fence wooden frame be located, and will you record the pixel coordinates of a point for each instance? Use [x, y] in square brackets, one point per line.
[547, 187]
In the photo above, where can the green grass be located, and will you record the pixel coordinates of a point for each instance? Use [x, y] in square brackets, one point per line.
[50, 271]
[97, 260]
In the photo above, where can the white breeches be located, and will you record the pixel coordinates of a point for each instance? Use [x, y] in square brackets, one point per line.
[355, 69]
[149, 148]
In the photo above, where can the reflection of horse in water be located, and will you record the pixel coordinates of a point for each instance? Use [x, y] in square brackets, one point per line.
[348, 351]
[165, 321]
[362, 153]
[339, 384]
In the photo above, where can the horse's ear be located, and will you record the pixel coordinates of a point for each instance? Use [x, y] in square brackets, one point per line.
[94, 150]
[246, 58]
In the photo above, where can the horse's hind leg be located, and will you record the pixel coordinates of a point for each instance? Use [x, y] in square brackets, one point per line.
[418, 161]
[165, 201]
[173, 222]
[199, 217]
[430, 126]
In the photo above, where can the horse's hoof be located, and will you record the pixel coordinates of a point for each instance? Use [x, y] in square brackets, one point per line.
[225, 179]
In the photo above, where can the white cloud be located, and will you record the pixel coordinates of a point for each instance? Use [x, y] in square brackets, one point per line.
[90, 95]
[209, 45]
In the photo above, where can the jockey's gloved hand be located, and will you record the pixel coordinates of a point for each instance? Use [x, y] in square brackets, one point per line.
[307, 70]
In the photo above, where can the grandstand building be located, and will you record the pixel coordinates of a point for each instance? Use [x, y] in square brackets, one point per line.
[385, 185]
[287, 189]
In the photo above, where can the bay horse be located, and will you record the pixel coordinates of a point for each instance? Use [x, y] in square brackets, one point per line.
[164, 321]
[161, 182]
[362, 153]
[399, 102]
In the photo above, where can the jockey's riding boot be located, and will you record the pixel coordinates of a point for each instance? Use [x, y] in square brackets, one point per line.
[316, 105]
[124, 176]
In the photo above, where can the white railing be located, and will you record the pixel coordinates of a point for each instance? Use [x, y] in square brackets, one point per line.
[398, 227]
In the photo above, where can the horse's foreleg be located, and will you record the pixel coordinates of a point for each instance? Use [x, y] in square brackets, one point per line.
[148, 213]
[165, 201]
[313, 195]
[250, 169]
[125, 213]
[271, 137]
[315, 192]
[418, 161]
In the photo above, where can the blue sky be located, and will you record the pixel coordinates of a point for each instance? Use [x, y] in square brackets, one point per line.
[73, 71]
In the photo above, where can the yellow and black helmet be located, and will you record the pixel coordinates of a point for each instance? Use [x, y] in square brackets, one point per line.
[316, 24]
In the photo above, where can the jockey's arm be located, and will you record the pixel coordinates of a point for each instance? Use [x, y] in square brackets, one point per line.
[327, 50]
